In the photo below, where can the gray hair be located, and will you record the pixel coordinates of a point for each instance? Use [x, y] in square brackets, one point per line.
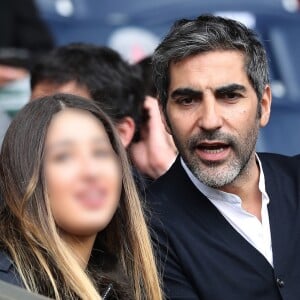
[209, 33]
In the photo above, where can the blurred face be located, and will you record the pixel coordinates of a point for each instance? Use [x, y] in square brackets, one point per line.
[82, 172]
[45, 88]
[212, 113]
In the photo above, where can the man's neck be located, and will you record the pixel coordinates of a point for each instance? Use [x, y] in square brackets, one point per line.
[246, 186]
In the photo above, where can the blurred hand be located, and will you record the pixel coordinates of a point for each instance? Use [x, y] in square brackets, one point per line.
[156, 151]
[9, 74]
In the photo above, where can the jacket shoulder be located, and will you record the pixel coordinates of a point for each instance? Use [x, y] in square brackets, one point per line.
[8, 272]
[280, 163]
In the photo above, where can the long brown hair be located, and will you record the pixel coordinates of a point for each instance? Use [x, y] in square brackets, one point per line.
[27, 229]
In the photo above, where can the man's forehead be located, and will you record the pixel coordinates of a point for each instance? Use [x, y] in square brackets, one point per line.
[47, 88]
[215, 67]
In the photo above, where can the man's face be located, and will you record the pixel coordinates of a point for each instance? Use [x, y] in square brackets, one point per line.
[212, 113]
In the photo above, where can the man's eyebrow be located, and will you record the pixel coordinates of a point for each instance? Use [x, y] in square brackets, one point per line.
[186, 92]
[230, 88]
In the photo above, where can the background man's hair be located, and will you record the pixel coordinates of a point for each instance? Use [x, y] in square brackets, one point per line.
[115, 85]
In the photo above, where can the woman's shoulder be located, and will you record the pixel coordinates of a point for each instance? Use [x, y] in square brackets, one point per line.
[8, 272]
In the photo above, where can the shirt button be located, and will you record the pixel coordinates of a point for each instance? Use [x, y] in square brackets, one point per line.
[280, 282]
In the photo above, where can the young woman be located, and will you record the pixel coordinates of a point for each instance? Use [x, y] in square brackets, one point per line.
[71, 223]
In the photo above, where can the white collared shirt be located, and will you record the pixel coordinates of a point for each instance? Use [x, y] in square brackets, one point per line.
[247, 225]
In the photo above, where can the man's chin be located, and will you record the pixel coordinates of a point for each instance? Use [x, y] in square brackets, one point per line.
[215, 176]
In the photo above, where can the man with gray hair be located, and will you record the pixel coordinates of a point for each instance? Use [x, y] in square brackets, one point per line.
[226, 219]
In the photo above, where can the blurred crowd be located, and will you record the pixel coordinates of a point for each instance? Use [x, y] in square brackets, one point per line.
[124, 91]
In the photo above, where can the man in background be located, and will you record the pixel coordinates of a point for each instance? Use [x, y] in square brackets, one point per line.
[100, 74]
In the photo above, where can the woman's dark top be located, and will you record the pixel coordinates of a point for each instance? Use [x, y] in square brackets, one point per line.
[111, 283]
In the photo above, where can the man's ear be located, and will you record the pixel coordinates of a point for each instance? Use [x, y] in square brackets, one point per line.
[163, 117]
[265, 106]
[126, 129]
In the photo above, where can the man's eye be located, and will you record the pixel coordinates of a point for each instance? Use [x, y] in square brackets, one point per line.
[185, 101]
[231, 96]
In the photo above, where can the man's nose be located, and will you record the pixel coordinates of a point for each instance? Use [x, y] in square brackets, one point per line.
[210, 118]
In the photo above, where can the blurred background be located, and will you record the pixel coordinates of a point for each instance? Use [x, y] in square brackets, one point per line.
[134, 28]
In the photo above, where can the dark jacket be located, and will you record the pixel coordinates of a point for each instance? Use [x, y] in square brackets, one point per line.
[9, 274]
[21, 27]
[203, 257]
